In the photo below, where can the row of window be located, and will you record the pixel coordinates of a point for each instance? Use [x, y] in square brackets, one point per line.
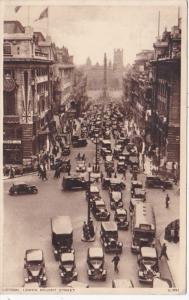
[42, 87]
[162, 88]
[42, 71]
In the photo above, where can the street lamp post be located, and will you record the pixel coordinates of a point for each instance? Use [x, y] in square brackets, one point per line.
[89, 193]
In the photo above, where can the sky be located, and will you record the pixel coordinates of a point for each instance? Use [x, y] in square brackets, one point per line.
[90, 31]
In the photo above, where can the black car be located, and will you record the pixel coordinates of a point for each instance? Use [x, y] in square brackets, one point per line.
[99, 210]
[116, 199]
[74, 181]
[121, 167]
[95, 261]
[109, 237]
[22, 188]
[67, 267]
[66, 150]
[120, 217]
[61, 235]
[79, 142]
[34, 267]
[148, 265]
[157, 182]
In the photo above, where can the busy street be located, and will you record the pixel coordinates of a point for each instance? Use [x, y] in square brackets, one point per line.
[31, 217]
[93, 173]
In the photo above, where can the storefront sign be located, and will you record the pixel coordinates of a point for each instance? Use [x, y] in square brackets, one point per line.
[8, 83]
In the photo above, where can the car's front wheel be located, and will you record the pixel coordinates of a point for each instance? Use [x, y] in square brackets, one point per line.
[35, 191]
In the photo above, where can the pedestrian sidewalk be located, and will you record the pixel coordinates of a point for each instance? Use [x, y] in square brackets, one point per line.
[173, 253]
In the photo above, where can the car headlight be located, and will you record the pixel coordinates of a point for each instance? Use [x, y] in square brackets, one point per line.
[44, 277]
[140, 273]
[100, 269]
[105, 244]
[62, 274]
[120, 244]
[30, 277]
[26, 279]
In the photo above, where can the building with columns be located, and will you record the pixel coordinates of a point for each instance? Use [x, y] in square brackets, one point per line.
[27, 92]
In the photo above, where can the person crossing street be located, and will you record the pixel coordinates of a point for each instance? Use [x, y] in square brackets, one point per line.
[163, 252]
[116, 260]
[167, 200]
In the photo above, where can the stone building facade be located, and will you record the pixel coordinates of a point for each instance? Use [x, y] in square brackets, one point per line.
[27, 92]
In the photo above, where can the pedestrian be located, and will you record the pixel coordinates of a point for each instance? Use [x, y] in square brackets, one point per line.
[101, 176]
[164, 252]
[115, 175]
[91, 228]
[167, 200]
[116, 260]
[124, 174]
[12, 172]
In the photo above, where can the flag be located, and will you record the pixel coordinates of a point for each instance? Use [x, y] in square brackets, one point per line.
[17, 8]
[43, 15]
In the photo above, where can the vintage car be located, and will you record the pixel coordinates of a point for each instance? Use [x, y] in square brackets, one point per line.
[157, 182]
[135, 184]
[120, 217]
[67, 267]
[79, 142]
[66, 150]
[109, 237]
[74, 181]
[63, 164]
[95, 261]
[99, 210]
[104, 152]
[172, 231]
[133, 162]
[34, 267]
[121, 167]
[94, 193]
[148, 264]
[106, 144]
[22, 188]
[113, 183]
[81, 167]
[116, 199]
[62, 235]
[116, 184]
[122, 283]
[139, 193]
[117, 151]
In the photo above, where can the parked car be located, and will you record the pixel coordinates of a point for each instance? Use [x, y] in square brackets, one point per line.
[120, 217]
[34, 267]
[109, 237]
[61, 235]
[148, 264]
[95, 261]
[67, 267]
[22, 188]
[74, 181]
[157, 182]
[116, 199]
[122, 283]
[99, 210]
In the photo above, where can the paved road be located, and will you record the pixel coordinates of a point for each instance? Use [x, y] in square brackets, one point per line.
[27, 225]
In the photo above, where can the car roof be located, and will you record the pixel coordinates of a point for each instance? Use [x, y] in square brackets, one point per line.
[144, 213]
[67, 256]
[106, 141]
[137, 182]
[115, 193]
[34, 254]
[121, 211]
[123, 283]
[140, 191]
[109, 226]
[148, 252]
[61, 225]
[19, 183]
[94, 189]
[115, 180]
[95, 252]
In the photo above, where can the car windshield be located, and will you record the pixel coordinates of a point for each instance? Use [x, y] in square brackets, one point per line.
[96, 260]
[99, 206]
[149, 260]
[67, 263]
[34, 262]
[122, 215]
[144, 234]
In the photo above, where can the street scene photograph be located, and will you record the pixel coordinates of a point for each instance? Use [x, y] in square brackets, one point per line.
[93, 134]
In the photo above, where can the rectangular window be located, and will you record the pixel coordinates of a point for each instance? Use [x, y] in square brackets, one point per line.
[7, 49]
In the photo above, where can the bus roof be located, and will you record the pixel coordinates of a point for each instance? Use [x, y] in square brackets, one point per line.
[144, 215]
[61, 225]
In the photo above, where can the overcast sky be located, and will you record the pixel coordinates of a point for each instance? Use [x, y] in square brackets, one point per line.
[93, 30]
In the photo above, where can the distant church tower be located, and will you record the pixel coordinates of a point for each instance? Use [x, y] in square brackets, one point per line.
[118, 59]
[105, 78]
